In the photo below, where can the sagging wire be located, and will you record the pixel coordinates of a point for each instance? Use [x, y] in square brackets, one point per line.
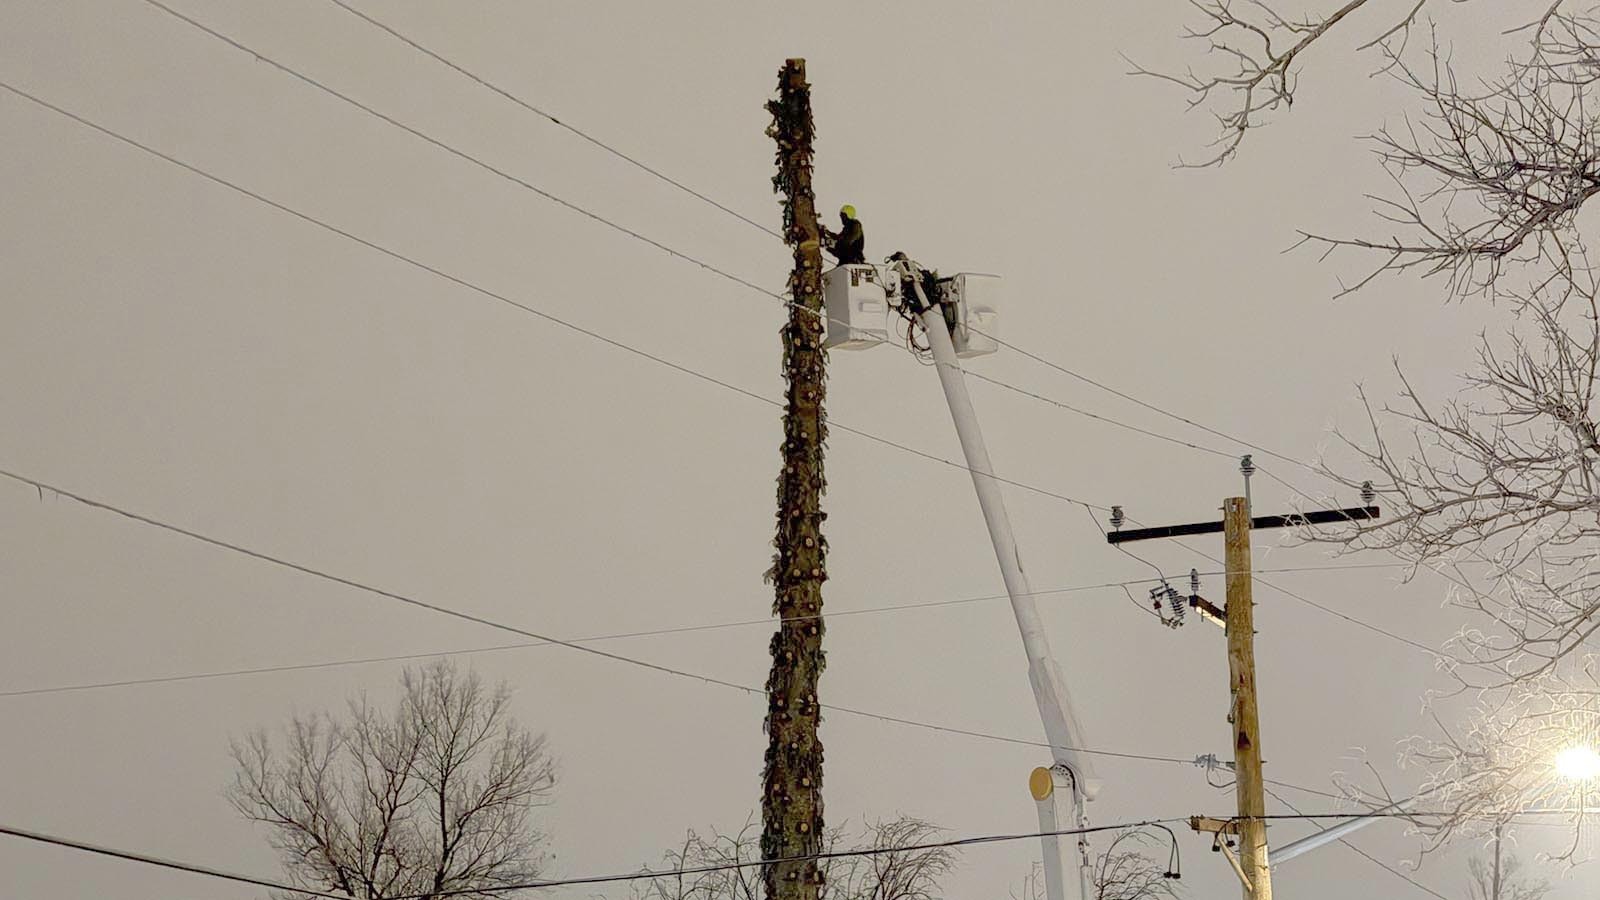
[1137, 833]
[1174, 855]
[1211, 763]
[908, 288]
[1117, 519]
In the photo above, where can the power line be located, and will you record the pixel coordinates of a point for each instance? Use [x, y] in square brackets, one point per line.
[832, 614]
[594, 335]
[451, 64]
[454, 151]
[477, 161]
[1149, 406]
[1364, 854]
[420, 48]
[528, 645]
[514, 179]
[1210, 450]
[1288, 593]
[519, 101]
[1096, 416]
[553, 319]
[476, 288]
[1360, 623]
[674, 252]
[1481, 558]
[1329, 795]
[480, 620]
[484, 82]
[643, 875]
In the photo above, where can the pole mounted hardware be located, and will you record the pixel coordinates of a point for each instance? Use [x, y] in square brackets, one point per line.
[1290, 520]
[1251, 863]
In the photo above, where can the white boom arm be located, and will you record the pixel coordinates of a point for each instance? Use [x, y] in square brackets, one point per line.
[1062, 790]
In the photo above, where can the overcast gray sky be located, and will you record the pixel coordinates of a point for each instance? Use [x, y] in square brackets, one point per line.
[174, 348]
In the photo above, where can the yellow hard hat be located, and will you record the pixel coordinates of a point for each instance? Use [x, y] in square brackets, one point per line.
[847, 211]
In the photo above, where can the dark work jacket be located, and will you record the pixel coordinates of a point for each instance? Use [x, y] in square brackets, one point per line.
[850, 244]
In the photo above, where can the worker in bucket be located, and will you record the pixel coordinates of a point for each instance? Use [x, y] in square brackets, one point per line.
[849, 243]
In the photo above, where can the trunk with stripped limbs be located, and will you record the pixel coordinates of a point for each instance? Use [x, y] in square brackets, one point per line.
[791, 800]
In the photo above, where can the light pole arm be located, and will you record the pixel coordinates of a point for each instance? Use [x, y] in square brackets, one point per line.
[1311, 842]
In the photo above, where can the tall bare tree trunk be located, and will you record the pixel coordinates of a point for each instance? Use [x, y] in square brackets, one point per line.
[791, 802]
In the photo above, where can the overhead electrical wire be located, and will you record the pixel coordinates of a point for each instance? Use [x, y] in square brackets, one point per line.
[462, 282]
[521, 182]
[637, 875]
[499, 172]
[1142, 403]
[683, 629]
[442, 59]
[418, 46]
[745, 283]
[32, 98]
[419, 603]
[1481, 558]
[1362, 853]
[476, 160]
[1322, 607]
[529, 186]
[503, 298]
[527, 645]
[680, 254]
[562, 123]
[455, 151]
[39, 101]
[1026, 353]
[1098, 417]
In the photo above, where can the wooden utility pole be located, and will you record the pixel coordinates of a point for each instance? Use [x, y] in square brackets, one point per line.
[791, 799]
[1242, 680]
[1252, 864]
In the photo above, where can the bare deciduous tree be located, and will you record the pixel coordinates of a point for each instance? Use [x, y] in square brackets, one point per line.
[911, 874]
[1123, 872]
[1502, 879]
[1505, 763]
[1490, 179]
[1490, 185]
[432, 795]
[1496, 487]
[1251, 49]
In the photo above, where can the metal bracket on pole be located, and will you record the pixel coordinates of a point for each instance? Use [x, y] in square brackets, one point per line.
[1218, 828]
[1206, 824]
[1234, 861]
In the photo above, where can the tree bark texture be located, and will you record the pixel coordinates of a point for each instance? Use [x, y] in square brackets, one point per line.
[791, 803]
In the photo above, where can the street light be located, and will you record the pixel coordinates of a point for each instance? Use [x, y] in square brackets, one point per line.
[1579, 763]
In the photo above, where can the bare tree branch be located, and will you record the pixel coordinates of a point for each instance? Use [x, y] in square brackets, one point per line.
[1251, 50]
[1490, 181]
[1486, 881]
[1488, 187]
[435, 795]
[898, 875]
[1123, 872]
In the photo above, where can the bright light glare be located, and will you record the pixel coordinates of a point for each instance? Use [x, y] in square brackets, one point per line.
[1578, 763]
